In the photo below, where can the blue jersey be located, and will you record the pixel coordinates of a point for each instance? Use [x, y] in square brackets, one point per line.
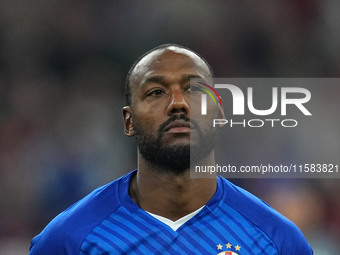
[107, 221]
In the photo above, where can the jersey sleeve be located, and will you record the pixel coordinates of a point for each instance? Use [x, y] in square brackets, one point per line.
[52, 243]
[60, 237]
[65, 234]
[286, 236]
[292, 241]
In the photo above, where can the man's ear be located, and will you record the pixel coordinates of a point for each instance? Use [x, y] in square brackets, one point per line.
[127, 118]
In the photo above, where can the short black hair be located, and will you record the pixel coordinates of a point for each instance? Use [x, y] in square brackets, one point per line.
[160, 47]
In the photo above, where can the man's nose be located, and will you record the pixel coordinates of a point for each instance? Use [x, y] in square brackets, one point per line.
[178, 103]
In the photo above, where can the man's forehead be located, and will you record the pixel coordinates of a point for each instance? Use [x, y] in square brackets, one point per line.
[171, 51]
[160, 58]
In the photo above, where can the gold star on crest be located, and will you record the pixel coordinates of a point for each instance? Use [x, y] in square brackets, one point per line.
[228, 245]
[219, 247]
[237, 248]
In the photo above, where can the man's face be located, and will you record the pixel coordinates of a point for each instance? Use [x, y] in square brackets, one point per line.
[160, 107]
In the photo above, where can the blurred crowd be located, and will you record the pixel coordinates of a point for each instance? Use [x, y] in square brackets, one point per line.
[62, 71]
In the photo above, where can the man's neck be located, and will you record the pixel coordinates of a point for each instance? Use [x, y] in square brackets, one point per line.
[170, 195]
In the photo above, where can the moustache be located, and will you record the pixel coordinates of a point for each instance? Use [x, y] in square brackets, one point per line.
[177, 117]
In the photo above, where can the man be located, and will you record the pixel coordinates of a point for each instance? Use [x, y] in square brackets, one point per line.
[159, 209]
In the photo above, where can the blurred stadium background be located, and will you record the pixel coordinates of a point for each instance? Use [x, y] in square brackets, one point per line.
[62, 70]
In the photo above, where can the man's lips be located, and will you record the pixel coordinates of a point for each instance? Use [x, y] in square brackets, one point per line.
[178, 127]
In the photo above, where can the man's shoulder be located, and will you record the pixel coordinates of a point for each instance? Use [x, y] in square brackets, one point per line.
[283, 232]
[67, 230]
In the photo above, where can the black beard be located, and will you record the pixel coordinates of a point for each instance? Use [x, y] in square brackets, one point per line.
[174, 159]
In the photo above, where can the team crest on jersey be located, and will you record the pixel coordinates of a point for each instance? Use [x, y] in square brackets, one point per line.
[228, 249]
[228, 253]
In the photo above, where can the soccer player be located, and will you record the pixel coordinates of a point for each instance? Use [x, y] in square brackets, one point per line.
[158, 208]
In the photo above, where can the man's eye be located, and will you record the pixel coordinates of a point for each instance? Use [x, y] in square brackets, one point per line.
[156, 92]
